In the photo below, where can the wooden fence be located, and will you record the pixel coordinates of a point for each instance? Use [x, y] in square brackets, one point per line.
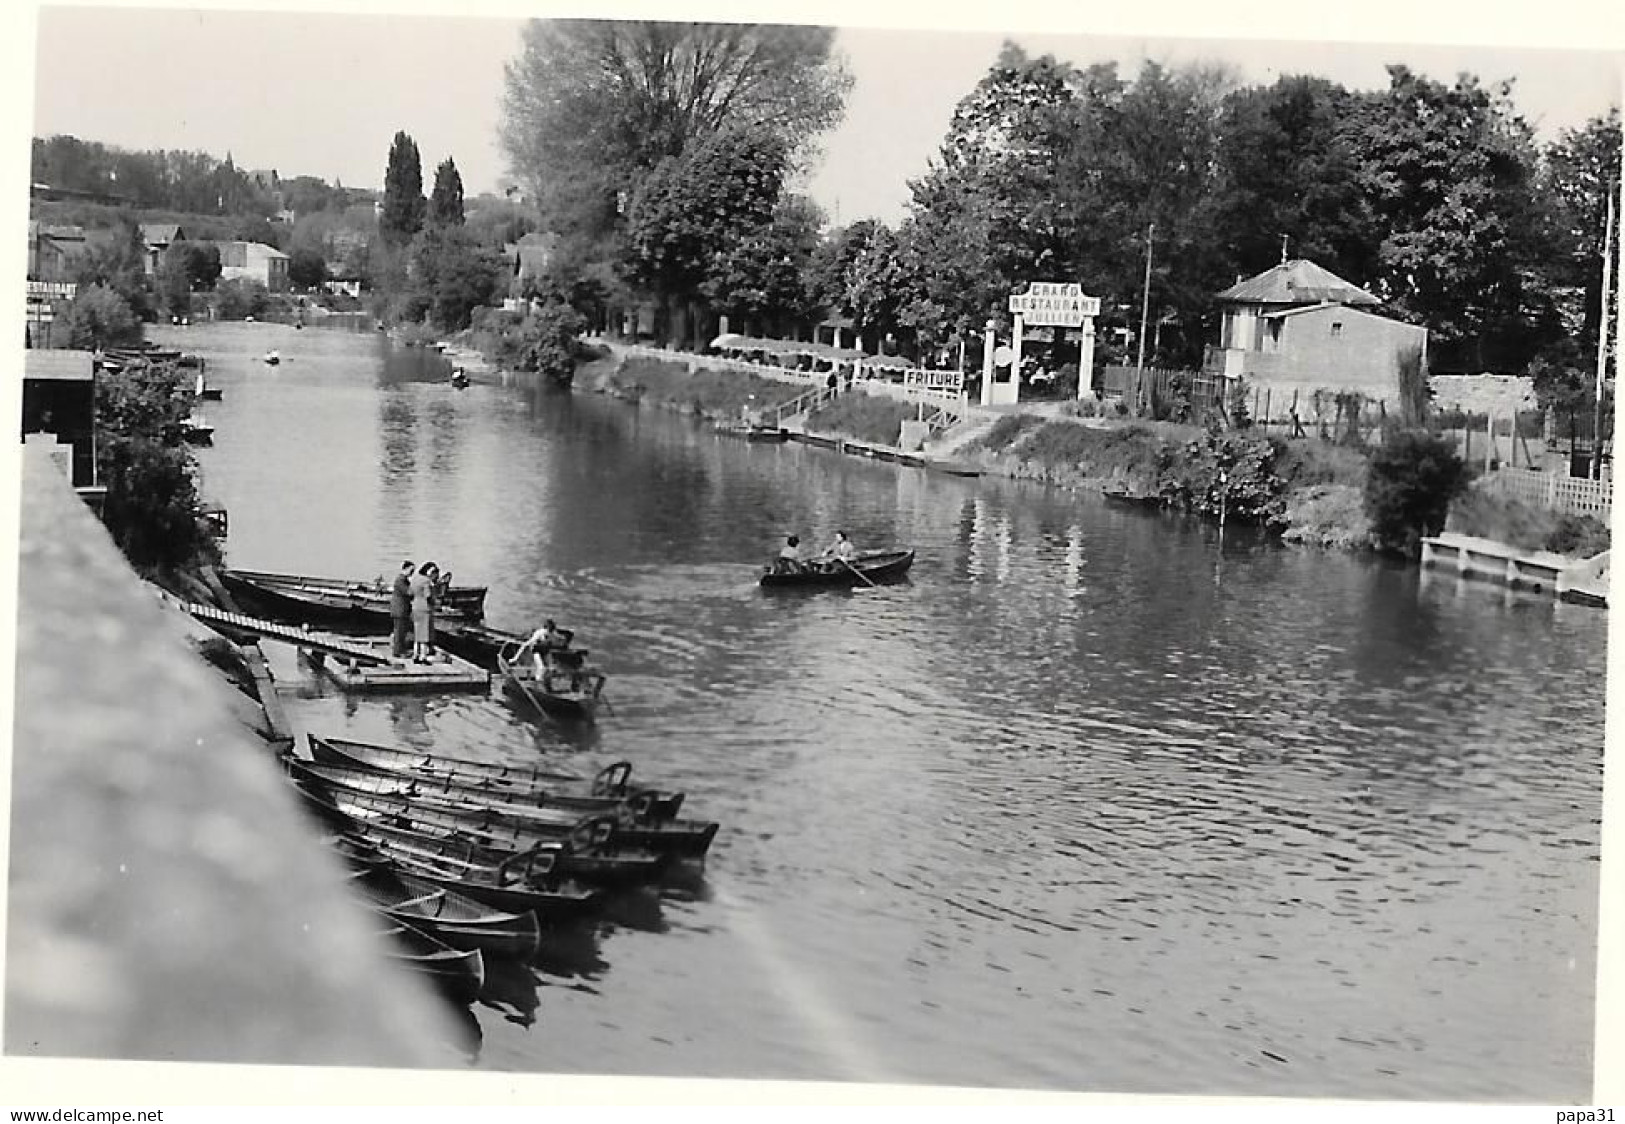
[1554, 490]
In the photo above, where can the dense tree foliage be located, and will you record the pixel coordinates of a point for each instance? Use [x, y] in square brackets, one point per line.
[98, 317]
[446, 202]
[192, 182]
[404, 206]
[1412, 478]
[689, 216]
[152, 507]
[451, 276]
[591, 104]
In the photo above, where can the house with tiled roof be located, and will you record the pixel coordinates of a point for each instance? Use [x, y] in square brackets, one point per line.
[1298, 328]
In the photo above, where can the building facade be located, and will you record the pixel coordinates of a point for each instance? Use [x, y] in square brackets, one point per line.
[1298, 329]
[254, 261]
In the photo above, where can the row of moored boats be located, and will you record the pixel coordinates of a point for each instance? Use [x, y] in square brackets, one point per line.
[465, 861]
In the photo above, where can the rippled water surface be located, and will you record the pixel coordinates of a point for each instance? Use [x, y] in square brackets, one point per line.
[1096, 801]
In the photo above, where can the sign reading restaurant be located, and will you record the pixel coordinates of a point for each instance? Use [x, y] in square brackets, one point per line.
[1054, 304]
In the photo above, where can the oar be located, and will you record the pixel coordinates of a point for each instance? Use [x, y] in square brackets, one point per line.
[508, 670]
[861, 575]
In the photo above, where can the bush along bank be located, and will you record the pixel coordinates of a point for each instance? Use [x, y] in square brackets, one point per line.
[1308, 494]
[714, 395]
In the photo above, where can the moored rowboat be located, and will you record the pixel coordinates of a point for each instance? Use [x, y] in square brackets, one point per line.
[454, 918]
[504, 782]
[335, 600]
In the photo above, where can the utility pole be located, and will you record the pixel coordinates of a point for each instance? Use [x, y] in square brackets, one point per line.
[1602, 340]
[1145, 309]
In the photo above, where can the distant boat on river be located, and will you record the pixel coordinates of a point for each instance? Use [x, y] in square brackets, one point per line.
[272, 358]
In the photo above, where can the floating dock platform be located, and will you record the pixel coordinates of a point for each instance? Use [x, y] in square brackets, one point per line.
[1537, 571]
[386, 673]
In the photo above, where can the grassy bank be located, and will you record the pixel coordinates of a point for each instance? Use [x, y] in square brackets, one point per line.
[1485, 514]
[876, 420]
[1308, 490]
[718, 395]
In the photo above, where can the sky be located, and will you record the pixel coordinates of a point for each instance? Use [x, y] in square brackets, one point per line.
[323, 94]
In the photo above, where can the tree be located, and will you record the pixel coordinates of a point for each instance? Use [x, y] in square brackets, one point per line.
[97, 318]
[590, 105]
[451, 276]
[307, 267]
[446, 204]
[760, 277]
[241, 297]
[1409, 485]
[404, 205]
[1287, 170]
[120, 263]
[1579, 174]
[1449, 171]
[691, 212]
[152, 508]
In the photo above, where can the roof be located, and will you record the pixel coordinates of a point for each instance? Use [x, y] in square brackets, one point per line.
[161, 233]
[1297, 282]
[61, 365]
[260, 248]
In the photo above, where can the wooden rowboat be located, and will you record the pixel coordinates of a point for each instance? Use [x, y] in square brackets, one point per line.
[1123, 497]
[454, 918]
[458, 973]
[510, 827]
[585, 850]
[335, 600]
[563, 692]
[875, 565]
[758, 434]
[505, 782]
[525, 883]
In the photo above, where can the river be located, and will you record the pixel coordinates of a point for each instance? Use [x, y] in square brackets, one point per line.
[1097, 801]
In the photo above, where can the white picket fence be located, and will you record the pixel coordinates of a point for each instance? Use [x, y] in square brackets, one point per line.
[1554, 490]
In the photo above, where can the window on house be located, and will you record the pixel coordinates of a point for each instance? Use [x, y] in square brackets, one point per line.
[1337, 327]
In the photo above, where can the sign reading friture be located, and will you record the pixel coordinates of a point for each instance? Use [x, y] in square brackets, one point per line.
[1054, 304]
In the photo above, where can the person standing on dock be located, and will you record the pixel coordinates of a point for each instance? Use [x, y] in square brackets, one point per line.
[400, 610]
[422, 589]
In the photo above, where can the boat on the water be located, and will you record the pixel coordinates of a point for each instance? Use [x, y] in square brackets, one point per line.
[760, 434]
[870, 567]
[458, 973]
[585, 849]
[454, 918]
[204, 391]
[459, 378]
[612, 785]
[272, 359]
[565, 686]
[1121, 495]
[515, 886]
[196, 431]
[510, 827]
[355, 604]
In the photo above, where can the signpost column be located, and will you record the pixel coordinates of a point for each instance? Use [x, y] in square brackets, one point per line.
[1015, 362]
[987, 364]
[1086, 357]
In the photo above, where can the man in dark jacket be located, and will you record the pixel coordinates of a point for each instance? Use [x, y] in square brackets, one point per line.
[400, 612]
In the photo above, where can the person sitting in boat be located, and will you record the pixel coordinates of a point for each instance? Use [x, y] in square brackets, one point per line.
[539, 644]
[841, 549]
[789, 559]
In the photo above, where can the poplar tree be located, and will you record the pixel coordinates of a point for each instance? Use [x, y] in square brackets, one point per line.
[446, 203]
[404, 205]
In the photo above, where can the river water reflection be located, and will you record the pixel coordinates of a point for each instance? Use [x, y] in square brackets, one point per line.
[1096, 801]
